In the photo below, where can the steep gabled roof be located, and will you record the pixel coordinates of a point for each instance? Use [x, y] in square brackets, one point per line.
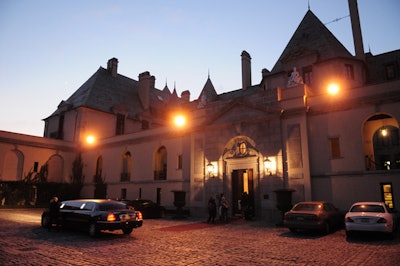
[311, 37]
[103, 92]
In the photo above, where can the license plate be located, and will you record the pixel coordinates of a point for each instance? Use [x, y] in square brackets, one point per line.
[364, 220]
[125, 217]
[300, 218]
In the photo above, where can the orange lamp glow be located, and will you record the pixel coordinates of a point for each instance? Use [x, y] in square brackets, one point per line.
[179, 120]
[90, 139]
[333, 88]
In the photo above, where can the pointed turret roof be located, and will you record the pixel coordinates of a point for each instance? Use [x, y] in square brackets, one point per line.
[208, 92]
[311, 38]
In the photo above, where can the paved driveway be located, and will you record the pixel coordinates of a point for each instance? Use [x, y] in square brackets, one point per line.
[185, 242]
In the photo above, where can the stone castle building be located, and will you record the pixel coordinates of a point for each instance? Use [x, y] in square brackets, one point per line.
[286, 132]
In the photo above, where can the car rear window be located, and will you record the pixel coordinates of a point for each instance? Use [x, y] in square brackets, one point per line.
[107, 206]
[367, 208]
[307, 207]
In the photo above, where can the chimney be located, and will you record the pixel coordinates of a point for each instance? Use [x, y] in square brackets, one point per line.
[146, 83]
[185, 95]
[355, 25]
[112, 66]
[246, 70]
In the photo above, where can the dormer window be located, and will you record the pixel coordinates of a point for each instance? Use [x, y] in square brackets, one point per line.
[390, 71]
[307, 75]
[120, 126]
[349, 71]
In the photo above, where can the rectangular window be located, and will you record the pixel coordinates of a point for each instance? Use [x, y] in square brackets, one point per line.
[349, 71]
[180, 161]
[120, 126]
[390, 71]
[60, 134]
[123, 193]
[334, 144]
[307, 75]
[145, 124]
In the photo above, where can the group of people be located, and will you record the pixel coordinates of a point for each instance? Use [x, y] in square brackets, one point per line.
[222, 208]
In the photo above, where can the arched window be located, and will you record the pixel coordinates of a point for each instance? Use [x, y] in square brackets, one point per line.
[55, 168]
[99, 169]
[381, 143]
[160, 168]
[126, 164]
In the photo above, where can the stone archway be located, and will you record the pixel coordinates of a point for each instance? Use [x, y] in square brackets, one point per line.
[55, 169]
[13, 166]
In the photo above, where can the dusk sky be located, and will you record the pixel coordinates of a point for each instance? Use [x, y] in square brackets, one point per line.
[50, 48]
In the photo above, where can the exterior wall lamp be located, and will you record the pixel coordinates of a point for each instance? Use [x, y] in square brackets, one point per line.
[269, 165]
[210, 169]
[384, 131]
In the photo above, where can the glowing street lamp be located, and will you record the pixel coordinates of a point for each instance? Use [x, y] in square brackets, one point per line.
[333, 89]
[90, 139]
[180, 120]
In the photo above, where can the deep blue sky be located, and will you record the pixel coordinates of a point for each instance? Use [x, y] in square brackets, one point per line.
[49, 48]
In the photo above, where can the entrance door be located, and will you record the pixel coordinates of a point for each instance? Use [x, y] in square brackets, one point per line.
[242, 181]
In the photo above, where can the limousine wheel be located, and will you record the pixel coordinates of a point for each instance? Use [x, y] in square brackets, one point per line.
[93, 231]
[127, 231]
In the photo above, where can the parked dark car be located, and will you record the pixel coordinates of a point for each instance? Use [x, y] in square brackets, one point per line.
[95, 215]
[313, 215]
[148, 208]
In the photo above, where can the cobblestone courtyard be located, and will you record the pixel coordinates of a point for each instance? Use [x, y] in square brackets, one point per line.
[186, 242]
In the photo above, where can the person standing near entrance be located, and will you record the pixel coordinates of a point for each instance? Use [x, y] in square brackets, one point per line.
[212, 210]
[224, 208]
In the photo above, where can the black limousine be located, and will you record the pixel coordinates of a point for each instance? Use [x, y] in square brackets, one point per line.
[94, 215]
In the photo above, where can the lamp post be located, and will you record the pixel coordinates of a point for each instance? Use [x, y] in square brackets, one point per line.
[179, 121]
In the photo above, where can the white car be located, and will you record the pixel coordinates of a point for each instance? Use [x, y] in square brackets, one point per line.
[370, 216]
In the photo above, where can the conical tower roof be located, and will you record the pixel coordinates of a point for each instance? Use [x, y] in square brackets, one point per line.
[311, 37]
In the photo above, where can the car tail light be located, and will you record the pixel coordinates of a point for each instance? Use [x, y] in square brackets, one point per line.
[382, 221]
[349, 220]
[111, 217]
[139, 215]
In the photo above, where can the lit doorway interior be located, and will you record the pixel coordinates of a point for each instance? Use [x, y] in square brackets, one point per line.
[242, 181]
